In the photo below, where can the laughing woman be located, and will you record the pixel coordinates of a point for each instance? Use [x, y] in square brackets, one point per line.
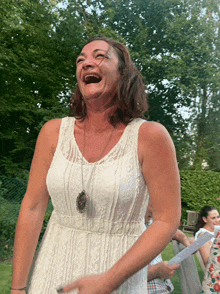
[99, 167]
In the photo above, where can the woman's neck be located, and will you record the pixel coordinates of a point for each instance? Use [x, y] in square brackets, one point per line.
[99, 121]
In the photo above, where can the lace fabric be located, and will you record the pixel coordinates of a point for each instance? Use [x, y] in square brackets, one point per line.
[78, 244]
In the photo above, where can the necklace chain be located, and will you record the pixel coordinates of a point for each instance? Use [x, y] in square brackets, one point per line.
[99, 157]
[82, 199]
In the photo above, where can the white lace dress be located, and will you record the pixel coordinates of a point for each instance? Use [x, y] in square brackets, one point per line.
[80, 244]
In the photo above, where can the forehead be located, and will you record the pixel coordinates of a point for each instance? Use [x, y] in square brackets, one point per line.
[94, 45]
[213, 213]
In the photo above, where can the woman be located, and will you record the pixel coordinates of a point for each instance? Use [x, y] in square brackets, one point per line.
[208, 218]
[99, 167]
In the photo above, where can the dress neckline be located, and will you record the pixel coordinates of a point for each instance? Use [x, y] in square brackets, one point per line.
[109, 153]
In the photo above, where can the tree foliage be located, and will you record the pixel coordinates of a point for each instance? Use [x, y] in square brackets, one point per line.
[37, 69]
[174, 43]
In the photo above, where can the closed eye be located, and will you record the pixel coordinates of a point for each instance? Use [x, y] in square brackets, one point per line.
[101, 55]
[79, 60]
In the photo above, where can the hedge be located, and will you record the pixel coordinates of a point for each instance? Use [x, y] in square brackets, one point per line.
[199, 188]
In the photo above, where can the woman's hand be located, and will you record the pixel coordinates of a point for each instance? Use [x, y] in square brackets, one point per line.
[165, 270]
[96, 284]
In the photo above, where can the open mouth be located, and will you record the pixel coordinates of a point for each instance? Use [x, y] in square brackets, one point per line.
[92, 79]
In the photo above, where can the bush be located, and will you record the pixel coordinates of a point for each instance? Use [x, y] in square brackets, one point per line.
[9, 211]
[12, 188]
[198, 189]
[8, 218]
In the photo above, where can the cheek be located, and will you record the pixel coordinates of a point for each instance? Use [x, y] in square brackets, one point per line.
[79, 82]
[78, 72]
[113, 77]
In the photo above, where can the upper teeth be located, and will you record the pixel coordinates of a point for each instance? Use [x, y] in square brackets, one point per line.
[91, 75]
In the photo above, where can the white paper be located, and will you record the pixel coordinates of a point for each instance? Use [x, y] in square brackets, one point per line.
[217, 228]
[191, 248]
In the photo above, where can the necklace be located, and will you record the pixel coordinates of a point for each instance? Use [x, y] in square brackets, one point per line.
[82, 200]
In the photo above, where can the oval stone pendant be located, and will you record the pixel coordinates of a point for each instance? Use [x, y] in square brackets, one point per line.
[82, 202]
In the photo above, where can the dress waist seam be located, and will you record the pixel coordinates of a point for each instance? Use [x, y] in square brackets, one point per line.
[95, 232]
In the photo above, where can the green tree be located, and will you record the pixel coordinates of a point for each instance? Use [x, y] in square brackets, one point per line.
[38, 49]
[175, 44]
[171, 42]
[168, 41]
[196, 43]
[212, 133]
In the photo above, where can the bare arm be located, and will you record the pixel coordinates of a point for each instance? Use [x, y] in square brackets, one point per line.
[182, 238]
[159, 167]
[160, 171]
[33, 208]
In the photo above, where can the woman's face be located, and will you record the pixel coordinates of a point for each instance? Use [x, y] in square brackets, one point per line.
[212, 219]
[97, 72]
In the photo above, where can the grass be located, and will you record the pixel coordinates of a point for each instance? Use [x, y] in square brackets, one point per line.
[167, 254]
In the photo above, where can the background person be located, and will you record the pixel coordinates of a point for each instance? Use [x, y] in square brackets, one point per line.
[208, 218]
[99, 167]
[159, 271]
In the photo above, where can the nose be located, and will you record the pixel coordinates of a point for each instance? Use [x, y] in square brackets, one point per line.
[88, 63]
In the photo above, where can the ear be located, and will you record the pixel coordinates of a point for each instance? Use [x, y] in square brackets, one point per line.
[204, 219]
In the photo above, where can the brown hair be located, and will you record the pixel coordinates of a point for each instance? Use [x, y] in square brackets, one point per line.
[131, 98]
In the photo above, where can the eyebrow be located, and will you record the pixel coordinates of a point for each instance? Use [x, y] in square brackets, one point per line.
[94, 51]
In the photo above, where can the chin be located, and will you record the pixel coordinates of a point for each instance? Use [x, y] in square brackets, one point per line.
[90, 97]
[91, 94]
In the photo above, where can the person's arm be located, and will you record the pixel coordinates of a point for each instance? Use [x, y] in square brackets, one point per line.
[33, 207]
[161, 270]
[182, 238]
[160, 171]
[205, 250]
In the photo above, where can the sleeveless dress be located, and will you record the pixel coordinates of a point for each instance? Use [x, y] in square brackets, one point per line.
[80, 244]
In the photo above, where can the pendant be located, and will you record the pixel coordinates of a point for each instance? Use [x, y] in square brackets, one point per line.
[82, 202]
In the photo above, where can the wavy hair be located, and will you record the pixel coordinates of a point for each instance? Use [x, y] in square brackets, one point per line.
[131, 97]
[204, 212]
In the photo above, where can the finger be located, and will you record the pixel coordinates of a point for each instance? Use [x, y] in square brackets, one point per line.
[68, 288]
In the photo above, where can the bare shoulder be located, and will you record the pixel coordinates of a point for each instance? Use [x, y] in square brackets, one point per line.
[154, 138]
[50, 133]
[52, 126]
[43, 155]
[152, 131]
